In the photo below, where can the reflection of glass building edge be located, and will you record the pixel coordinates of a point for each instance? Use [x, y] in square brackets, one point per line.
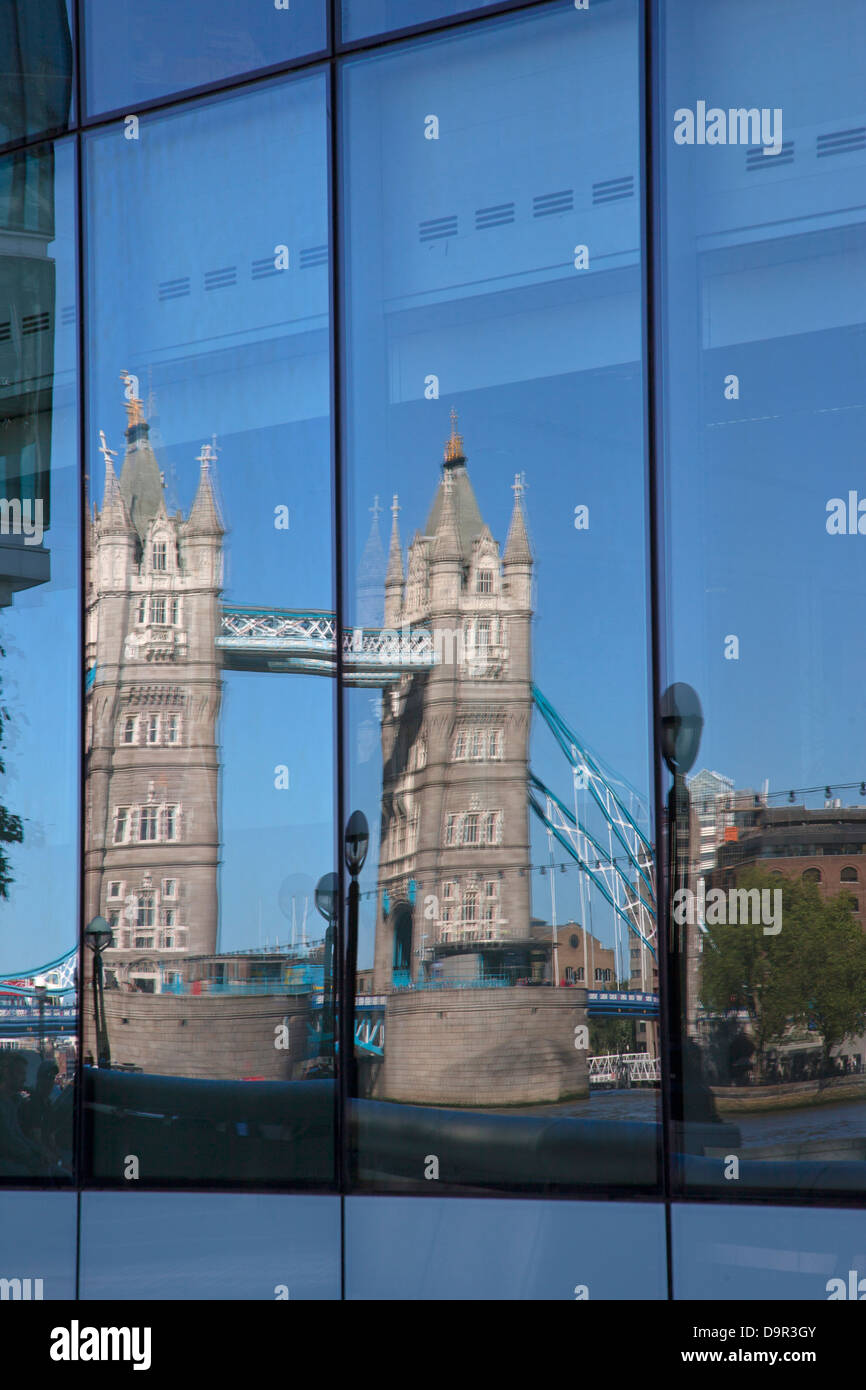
[153, 583]
[478, 607]
[21, 567]
[27, 356]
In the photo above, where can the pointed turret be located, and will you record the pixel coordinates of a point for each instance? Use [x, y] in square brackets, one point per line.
[517, 548]
[467, 515]
[446, 543]
[140, 480]
[204, 517]
[114, 515]
[371, 575]
[395, 552]
[394, 577]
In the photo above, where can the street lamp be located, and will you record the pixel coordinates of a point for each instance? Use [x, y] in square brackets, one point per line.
[327, 894]
[682, 723]
[357, 839]
[40, 987]
[98, 935]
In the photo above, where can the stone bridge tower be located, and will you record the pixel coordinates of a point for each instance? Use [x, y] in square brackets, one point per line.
[454, 876]
[151, 770]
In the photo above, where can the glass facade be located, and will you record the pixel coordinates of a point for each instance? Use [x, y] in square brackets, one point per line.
[432, 815]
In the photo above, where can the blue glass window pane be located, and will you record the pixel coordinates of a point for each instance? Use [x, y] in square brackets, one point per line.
[38, 1239]
[229, 1246]
[761, 1253]
[138, 52]
[210, 641]
[39, 633]
[362, 18]
[496, 591]
[400, 1248]
[764, 248]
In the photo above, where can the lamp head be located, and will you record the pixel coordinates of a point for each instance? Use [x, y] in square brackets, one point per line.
[98, 934]
[326, 896]
[356, 842]
[682, 724]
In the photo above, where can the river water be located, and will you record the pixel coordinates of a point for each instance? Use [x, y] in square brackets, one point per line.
[838, 1121]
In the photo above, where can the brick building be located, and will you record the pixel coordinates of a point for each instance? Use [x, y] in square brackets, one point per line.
[826, 845]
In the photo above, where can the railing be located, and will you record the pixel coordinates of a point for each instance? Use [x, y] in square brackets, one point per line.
[307, 641]
[303, 981]
[446, 982]
[618, 1068]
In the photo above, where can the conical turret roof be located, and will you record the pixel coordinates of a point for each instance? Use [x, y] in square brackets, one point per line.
[467, 515]
[517, 548]
[395, 552]
[204, 517]
[447, 544]
[114, 514]
[371, 575]
[140, 479]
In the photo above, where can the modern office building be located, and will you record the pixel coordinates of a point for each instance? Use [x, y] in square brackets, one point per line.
[494, 394]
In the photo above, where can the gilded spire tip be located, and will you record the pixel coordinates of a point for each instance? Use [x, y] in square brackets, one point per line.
[454, 446]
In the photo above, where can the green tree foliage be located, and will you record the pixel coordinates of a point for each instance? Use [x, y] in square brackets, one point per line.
[11, 826]
[813, 971]
[611, 1035]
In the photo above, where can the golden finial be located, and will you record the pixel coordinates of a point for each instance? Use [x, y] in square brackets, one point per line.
[454, 446]
[134, 412]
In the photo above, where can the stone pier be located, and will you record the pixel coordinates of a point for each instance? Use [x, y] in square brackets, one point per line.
[218, 1037]
[484, 1047]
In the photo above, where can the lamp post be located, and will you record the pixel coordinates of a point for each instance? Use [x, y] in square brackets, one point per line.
[357, 839]
[682, 724]
[327, 892]
[98, 935]
[40, 987]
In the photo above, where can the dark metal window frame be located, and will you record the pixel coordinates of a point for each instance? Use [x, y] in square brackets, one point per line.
[330, 60]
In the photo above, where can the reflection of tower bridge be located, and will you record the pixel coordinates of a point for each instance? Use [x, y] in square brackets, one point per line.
[451, 652]
[451, 655]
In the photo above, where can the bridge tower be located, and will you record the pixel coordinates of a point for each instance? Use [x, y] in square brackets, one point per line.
[151, 771]
[454, 875]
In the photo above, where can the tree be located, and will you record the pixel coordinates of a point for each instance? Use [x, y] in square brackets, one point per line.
[813, 971]
[11, 826]
[611, 1035]
[832, 966]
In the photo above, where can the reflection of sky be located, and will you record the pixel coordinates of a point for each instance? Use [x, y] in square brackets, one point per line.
[363, 17]
[776, 298]
[150, 49]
